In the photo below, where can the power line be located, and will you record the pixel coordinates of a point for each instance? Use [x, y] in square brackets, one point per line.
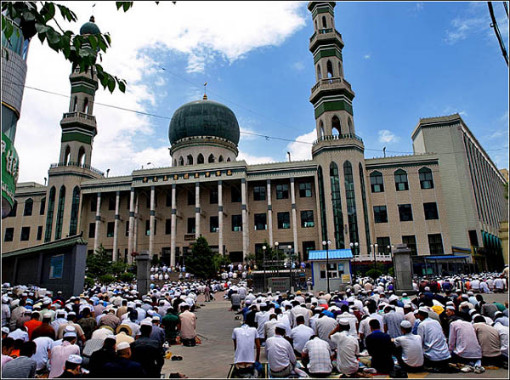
[496, 30]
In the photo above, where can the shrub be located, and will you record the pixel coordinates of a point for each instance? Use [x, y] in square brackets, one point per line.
[106, 279]
[374, 273]
[89, 282]
[127, 277]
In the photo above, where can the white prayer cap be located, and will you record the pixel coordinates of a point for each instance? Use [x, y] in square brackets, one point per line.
[76, 359]
[464, 304]
[404, 294]
[450, 307]
[47, 315]
[423, 309]
[427, 289]
[156, 318]
[122, 346]
[5, 330]
[343, 321]
[146, 322]
[280, 326]
[70, 334]
[405, 324]
[392, 298]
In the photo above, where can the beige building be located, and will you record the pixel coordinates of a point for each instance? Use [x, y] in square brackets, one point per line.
[445, 199]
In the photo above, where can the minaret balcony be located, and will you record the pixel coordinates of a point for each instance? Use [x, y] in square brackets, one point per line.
[78, 117]
[329, 35]
[345, 141]
[329, 85]
[76, 167]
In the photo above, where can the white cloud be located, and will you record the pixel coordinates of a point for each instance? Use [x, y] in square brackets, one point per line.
[419, 6]
[298, 66]
[386, 136]
[367, 56]
[499, 134]
[204, 32]
[301, 149]
[253, 160]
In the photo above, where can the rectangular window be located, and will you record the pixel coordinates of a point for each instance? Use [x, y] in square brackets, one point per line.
[401, 183]
[214, 225]
[307, 247]
[410, 241]
[29, 205]
[110, 227]
[39, 232]
[259, 193]
[332, 270]
[168, 226]
[168, 199]
[235, 194]
[383, 245]
[377, 183]
[473, 238]
[111, 203]
[426, 179]
[93, 204]
[213, 196]
[43, 206]
[380, 214]
[237, 223]
[148, 202]
[9, 234]
[191, 225]
[260, 222]
[282, 191]
[127, 227]
[405, 212]
[147, 227]
[283, 220]
[436, 244]
[92, 230]
[191, 197]
[305, 190]
[307, 219]
[430, 210]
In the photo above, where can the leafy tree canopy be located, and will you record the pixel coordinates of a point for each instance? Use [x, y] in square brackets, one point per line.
[203, 263]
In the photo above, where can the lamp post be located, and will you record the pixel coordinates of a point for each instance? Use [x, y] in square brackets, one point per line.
[276, 244]
[264, 265]
[289, 247]
[354, 247]
[326, 244]
[375, 255]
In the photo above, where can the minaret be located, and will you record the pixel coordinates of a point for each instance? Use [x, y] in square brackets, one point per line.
[79, 128]
[342, 200]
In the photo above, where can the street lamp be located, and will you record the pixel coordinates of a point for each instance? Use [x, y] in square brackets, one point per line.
[375, 255]
[354, 248]
[276, 244]
[264, 264]
[327, 244]
[289, 247]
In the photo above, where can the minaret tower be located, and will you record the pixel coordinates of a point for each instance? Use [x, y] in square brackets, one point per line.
[342, 201]
[79, 127]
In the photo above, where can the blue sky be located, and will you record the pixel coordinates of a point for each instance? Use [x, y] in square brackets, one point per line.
[404, 60]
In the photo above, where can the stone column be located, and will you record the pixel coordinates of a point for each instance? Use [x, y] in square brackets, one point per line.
[220, 217]
[244, 197]
[116, 228]
[152, 221]
[269, 213]
[135, 227]
[403, 268]
[143, 273]
[197, 210]
[98, 221]
[131, 223]
[173, 226]
[294, 217]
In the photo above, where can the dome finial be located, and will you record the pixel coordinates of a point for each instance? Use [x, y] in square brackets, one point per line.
[92, 19]
[205, 91]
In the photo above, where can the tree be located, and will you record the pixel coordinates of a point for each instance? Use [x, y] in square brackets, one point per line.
[202, 262]
[41, 19]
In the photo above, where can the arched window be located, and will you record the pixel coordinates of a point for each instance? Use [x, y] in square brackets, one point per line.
[211, 158]
[189, 160]
[336, 201]
[426, 179]
[228, 159]
[324, 23]
[200, 159]
[322, 204]
[319, 74]
[49, 215]
[75, 104]
[73, 226]
[67, 155]
[351, 202]
[86, 105]
[29, 205]
[335, 126]
[376, 182]
[349, 124]
[81, 156]
[60, 212]
[329, 68]
[321, 129]
[220, 159]
[340, 71]
[181, 161]
[175, 161]
[365, 207]
[43, 206]
[401, 180]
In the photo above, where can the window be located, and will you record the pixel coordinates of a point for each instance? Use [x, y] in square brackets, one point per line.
[127, 227]
[305, 189]
[43, 206]
[259, 193]
[426, 180]
[336, 202]
[189, 160]
[39, 233]
[235, 194]
[92, 230]
[376, 182]
[436, 244]
[181, 161]
[282, 191]
[168, 226]
[25, 233]
[237, 223]
[191, 225]
[211, 158]
[200, 159]
[110, 227]
[405, 212]
[93, 204]
[307, 247]
[380, 214]
[191, 197]
[383, 244]
[352, 216]
[81, 156]
[307, 219]
[9, 234]
[29, 205]
[214, 225]
[473, 238]
[49, 216]
[410, 241]
[213, 196]
[260, 222]
[60, 212]
[333, 269]
[283, 220]
[75, 206]
[168, 199]
[401, 180]
[335, 123]
[14, 209]
[430, 210]
[148, 227]
[111, 203]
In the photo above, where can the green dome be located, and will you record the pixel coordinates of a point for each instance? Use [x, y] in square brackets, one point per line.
[90, 27]
[204, 118]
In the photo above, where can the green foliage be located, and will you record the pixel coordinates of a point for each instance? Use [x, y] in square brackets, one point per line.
[89, 282]
[127, 277]
[106, 279]
[202, 263]
[155, 260]
[391, 271]
[98, 263]
[374, 273]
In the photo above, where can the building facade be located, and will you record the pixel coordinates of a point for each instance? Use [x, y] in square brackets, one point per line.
[444, 199]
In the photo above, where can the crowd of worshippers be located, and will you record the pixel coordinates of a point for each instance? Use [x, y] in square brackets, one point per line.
[360, 332]
[108, 331]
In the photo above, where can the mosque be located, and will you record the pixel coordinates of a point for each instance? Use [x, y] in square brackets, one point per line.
[445, 201]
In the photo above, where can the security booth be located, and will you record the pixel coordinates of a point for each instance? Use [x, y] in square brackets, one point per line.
[331, 269]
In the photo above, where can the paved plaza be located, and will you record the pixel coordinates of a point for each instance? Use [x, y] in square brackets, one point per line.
[212, 358]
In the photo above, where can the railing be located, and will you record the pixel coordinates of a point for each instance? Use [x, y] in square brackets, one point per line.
[77, 164]
[328, 81]
[338, 137]
[325, 31]
[80, 115]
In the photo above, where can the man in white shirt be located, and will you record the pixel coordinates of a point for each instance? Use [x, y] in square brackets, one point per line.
[270, 326]
[261, 318]
[300, 335]
[347, 348]
[324, 326]
[42, 353]
[409, 351]
[280, 355]
[246, 346]
[317, 357]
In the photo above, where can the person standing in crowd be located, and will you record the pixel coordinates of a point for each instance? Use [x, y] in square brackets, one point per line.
[158, 334]
[392, 321]
[45, 329]
[280, 354]
[44, 345]
[32, 324]
[24, 366]
[347, 348]
[87, 323]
